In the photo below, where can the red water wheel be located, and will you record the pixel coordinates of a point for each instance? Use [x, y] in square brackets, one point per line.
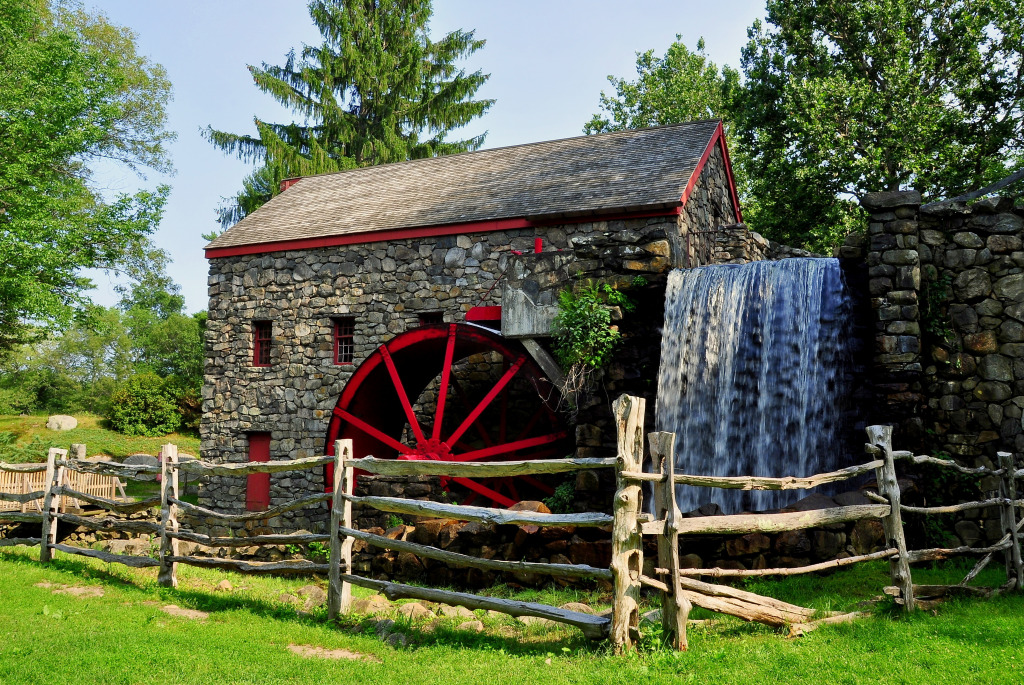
[453, 392]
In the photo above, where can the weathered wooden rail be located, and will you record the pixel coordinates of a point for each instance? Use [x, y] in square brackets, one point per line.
[343, 534]
[22, 487]
[680, 588]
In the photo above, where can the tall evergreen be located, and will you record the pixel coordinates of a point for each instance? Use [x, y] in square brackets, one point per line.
[377, 90]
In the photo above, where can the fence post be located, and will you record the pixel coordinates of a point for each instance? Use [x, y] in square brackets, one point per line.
[627, 545]
[339, 595]
[888, 487]
[675, 608]
[1008, 516]
[51, 503]
[168, 575]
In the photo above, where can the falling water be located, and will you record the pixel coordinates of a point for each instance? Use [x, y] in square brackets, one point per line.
[754, 361]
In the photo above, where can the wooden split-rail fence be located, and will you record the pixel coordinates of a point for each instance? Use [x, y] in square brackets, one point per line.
[680, 588]
[29, 485]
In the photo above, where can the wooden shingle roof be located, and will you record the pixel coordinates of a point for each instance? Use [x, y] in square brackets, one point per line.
[611, 173]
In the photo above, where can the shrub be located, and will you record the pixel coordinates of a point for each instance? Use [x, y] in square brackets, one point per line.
[144, 405]
[582, 329]
[189, 401]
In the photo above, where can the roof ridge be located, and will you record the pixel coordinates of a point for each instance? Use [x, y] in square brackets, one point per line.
[603, 134]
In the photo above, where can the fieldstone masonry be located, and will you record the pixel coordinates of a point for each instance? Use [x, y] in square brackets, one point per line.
[947, 289]
[386, 286]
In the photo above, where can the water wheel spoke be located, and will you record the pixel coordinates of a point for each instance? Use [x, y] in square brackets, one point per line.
[532, 422]
[403, 397]
[370, 430]
[480, 429]
[540, 485]
[509, 447]
[446, 374]
[487, 492]
[486, 401]
[503, 423]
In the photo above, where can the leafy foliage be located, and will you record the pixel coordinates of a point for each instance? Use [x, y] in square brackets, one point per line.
[14, 453]
[583, 331]
[144, 405]
[79, 370]
[75, 91]
[561, 501]
[845, 98]
[377, 90]
[683, 85]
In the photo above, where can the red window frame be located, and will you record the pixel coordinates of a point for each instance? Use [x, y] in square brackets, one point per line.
[344, 340]
[257, 485]
[262, 332]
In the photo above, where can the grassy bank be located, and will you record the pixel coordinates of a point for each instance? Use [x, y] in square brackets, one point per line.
[125, 637]
[32, 439]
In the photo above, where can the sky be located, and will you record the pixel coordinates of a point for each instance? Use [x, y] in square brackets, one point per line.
[548, 63]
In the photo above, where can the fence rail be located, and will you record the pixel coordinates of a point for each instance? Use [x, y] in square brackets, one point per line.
[23, 486]
[679, 587]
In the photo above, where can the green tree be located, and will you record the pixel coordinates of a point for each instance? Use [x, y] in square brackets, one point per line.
[74, 91]
[681, 86]
[845, 98]
[376, 90]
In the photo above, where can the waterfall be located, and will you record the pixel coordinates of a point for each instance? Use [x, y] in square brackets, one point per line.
[754, 368]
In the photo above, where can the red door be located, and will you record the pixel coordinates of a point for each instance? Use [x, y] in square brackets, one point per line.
[257, 487]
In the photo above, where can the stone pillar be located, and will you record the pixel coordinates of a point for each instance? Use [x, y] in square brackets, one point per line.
[894, 270]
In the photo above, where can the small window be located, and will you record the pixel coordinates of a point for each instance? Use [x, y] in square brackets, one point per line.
[344, 340]
[257, 485]
[261, 331]
[427, 318]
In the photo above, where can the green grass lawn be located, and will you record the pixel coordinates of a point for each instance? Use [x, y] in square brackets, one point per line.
[31, 432]
[125, 637]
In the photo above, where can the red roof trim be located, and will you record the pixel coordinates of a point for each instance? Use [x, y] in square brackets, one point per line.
[422, 232]
[728, 170]
[718, 138]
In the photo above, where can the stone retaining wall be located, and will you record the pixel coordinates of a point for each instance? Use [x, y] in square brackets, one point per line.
[947, 291]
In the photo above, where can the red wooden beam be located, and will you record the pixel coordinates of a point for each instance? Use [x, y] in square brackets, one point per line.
[484, 314]
[403, 396]
[446, 373]
[508, 447]
[488, 398]
[370, 430]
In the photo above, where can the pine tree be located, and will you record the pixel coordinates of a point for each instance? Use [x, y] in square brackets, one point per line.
[377, 90]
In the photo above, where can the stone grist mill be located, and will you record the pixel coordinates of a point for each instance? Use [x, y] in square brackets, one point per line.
[408, 307]
[379, 341]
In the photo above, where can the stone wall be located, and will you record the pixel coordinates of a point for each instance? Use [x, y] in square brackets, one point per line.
[947, 289]
[386, 286]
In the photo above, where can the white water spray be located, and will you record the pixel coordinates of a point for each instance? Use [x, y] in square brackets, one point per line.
[754, 362]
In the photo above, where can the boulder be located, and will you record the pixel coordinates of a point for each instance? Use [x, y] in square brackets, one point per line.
[811, 502]
[314, 596]
[449, 611]
[415, 611]
[61, 422]
[579, 608]
[374, 604]
[143, 460]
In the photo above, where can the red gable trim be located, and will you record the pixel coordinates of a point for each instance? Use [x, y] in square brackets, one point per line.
[728, 170]
[422, 232]
[718, 138]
